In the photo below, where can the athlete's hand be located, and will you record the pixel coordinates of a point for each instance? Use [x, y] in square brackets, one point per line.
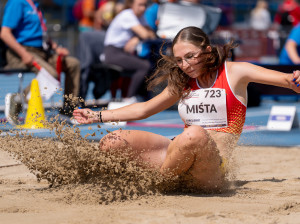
[296, 81]
[86, 116]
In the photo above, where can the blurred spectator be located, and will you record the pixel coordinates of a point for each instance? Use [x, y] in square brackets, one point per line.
[96, 14]
[122, 37]
[107, 10]
[91, 45]
[286, 17]
[25, 33]
[188, 1]
[89, 8]
[288, 14]
[290, 54]
[260, 17]
[174, 17]
[151, 15]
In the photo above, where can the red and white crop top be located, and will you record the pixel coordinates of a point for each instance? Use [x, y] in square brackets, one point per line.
[215, 108]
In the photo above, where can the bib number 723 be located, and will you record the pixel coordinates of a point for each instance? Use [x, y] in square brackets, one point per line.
[212, 93]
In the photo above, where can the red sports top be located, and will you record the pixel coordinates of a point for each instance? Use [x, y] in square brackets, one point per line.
[236, 110]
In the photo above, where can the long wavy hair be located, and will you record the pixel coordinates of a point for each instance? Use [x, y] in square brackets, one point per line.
[210, 60]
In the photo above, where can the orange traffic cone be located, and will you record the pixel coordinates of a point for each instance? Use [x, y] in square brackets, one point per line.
[35, 116]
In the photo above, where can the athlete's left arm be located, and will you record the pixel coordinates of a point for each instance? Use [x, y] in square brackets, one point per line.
[244, 73]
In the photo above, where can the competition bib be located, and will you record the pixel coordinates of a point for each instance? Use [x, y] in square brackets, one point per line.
[204, 107]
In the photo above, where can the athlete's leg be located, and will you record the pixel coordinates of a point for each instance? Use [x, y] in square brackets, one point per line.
[147, 147]
[192, 154]
[195, 153]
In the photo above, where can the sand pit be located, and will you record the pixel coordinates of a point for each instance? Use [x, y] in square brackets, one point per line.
[264, 188]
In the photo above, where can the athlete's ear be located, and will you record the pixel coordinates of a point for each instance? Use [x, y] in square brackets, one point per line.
[209, 48]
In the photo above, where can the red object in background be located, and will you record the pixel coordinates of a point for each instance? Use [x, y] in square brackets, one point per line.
[101, 3]
[35, 64]
[121, 83]
[59, 66]
[77, 10]
[288, 12]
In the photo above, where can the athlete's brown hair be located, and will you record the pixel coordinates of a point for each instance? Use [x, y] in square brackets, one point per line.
[211, 59]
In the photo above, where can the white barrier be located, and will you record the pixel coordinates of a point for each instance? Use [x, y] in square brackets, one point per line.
[283, 118]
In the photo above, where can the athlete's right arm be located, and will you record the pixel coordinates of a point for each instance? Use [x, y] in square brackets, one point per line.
[136, 111]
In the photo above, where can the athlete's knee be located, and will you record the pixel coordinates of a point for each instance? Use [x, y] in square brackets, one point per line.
[195, 139]
[112, 141]
[196, 135]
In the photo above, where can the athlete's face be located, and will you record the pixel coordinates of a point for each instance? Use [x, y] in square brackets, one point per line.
[185, 55]
[139, 7]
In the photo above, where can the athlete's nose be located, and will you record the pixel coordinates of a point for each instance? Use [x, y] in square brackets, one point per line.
[185, 64]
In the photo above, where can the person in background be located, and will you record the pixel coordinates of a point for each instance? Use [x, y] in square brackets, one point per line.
[260, 17]
[125, 32]
[89, 8]
[288, 14]
[212, 95]
[106, 12]
[188, 2]
[286, 17]
[25, 33]
[151, 15]
[91, 46]
[290, 54]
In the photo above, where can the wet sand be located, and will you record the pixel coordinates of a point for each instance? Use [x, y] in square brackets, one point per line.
[265, 188]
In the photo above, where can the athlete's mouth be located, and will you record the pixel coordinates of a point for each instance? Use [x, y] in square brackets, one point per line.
[190, 71]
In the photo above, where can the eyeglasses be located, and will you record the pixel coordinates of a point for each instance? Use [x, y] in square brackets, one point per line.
[189, 58]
